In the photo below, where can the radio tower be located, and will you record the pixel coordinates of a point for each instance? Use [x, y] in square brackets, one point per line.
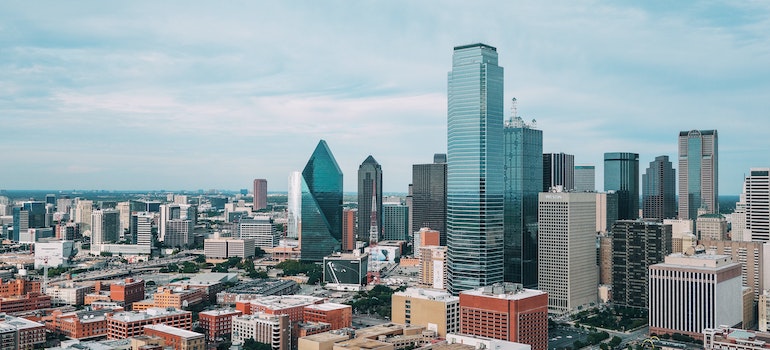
[374, 230]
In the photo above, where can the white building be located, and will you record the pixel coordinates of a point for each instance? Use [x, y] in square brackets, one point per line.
[726, 338]
[482, 343]
[140, 228]
[294, 210]
[264, 328]
[105, 226]
[567, 268]
[756, 190]
[694, 291]
[52, 253]
[261, 229]
[67, 294]
[224, 248]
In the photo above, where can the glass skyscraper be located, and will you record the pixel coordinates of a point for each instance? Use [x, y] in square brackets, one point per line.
[523, 182]
[558, 170]
[698, 175]
[475, 182]
[369, 181]
[659, 192]
[621, 174]
[321, 211]
[429, 196]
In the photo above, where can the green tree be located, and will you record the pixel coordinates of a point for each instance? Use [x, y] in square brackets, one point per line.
[189, 267]
[251, 344]
[200, 259]
[615, 341]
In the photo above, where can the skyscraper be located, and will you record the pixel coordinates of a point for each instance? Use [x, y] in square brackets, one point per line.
[429, 196]
[260, 194]
[321, 215]
[395, 222]
[105, 226]
[698, 173]
[140, 228]
[475, 182]
[567, 267]
[369, 189]
[558, 170]
[636, 245]
[756, 193]
[294, 206]
[523, 182]
[29, 215]
[621, 174]
[585, 178]
[659, 182]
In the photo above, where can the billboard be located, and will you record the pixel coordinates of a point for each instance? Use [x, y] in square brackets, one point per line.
[345, 271]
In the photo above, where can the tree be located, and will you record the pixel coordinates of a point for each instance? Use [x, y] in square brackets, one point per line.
[200, 259]
[188, 267]
[251, 344]
[615, 341]
[259, 252]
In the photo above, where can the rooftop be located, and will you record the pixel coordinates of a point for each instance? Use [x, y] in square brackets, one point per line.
[219, 312]
[153, 312]
[328, 306]
[173, 330]
[509, 291]
[429, 294]
[277, 302]
[327, 336]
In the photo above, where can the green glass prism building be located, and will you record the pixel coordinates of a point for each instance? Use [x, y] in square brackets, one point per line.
[621, 174]
[475, 182]
[321, 211]
[523, 182]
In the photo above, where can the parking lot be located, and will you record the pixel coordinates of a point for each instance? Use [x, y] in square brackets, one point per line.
[563, 337]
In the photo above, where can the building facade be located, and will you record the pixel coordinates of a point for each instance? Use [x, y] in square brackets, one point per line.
[475, 183]
[558, 170]
[370, 200]
[756, 195]
[621, 174]
[427, 307]
[585, 178]
[260, 194]
[321, 212]
[395, 222]
[261, 229]
[264, 328]
[698, 173]
[523, 181]
[567, 268]
[429, 201]
[753, 257]
[659, 190]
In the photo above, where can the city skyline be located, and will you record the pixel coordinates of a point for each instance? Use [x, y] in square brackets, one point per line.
[130, 96]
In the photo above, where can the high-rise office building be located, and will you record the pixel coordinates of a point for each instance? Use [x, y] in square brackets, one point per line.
[369, 190]
[140, 228]
[348, 229]
[558, 170]
[260, 194]
[585, 178]
[475, 182]
[179, 233]
[756, 195]
[261, 229]
[429, 196]
[621, 174]
[294, 206]
[105, 226]
[83, 209]
[636, 245]
[711, 226]
[395, 222]
[659, 192]
[693, 291]
[698, 173]
[28, 215]
[754, 258]
[566, 264]
[321, 211]
[523, 182]
[168, 212]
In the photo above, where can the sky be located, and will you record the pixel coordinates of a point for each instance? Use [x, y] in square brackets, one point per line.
[149, 95]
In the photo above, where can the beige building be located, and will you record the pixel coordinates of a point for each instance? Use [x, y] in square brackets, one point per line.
[264, 328]
[754, 258]
[437, 310]
[433, 266]
[764, 311]
[711, 226]
[322, 341]
[363, 344]
[682, 236]
[605, 259]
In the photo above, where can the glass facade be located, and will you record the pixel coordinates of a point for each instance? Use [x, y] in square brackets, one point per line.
[429, 197]
[523, 182]
[698, 173]
[475, 183]
[621, 174]
[369, 180]
[659, 193]
[321, 211]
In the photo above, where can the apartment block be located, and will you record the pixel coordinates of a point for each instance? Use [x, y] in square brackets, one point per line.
[217, 323]
[177, 338]
[437, 310]
[122, 325]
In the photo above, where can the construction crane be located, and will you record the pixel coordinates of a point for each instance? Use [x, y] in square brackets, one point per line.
[44, 259]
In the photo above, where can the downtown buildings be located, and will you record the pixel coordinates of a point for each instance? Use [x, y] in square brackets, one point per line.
[370, 201]
[475, 183]
[621, 174]
[659, 190]
[698, 173]
[429, 188]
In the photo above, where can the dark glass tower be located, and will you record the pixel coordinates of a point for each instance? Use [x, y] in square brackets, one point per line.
[369, 180]
[475, 182]
[636, 245]
[523, 182]
[558, 170]
[321, 205]
[659, 190]
[429, 196]
[621, 174]
[29, 215]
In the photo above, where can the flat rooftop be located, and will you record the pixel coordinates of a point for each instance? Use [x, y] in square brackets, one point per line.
[277, 302]
[326, 337]
[220, 312]
[153, 312]
[428, 294]
[506, 292]
[183, 333]
[328, 306]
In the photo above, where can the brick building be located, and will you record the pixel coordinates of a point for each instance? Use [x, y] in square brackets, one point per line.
[18, 287]
[27, 302]
[336, 315]
[506, 311]
[217, 322]
[127, 291]
[178, 338]
[80, 324]
[126, 324]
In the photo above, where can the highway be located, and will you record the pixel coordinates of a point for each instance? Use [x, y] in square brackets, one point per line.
[124, 269]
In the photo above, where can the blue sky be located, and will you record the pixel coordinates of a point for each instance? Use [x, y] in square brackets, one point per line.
[190, 94]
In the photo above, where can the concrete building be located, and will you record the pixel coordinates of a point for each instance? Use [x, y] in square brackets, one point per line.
[636, 245]
[140, 228]
[606, 210]
[763, 320]
[466, 342]
[261, 229]
[506, 312]
[264, 328]
[682, 234]
[28, 334]
[433, 266]
[711, 227]
[177, 338]
[322, 341]
[179, 233]
[437, 310]
[53, 253]
[728, 338]
[225, 248]
[585, 178]
[567, 268]
[698, 173]
[756, 195]
[345, 270]
[67, 294]
[694, 291]
[754, 258]
[105, 226]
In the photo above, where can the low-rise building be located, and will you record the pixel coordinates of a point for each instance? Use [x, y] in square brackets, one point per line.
[178, 338]
[322, 341]
[437, 310]
[126, 324]
[29, 334]
[336, 315]
[727, 338]
[127, 291]
[217, 323]
[28, 302]
[264, 328]
[80, 324]
[68, 294]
